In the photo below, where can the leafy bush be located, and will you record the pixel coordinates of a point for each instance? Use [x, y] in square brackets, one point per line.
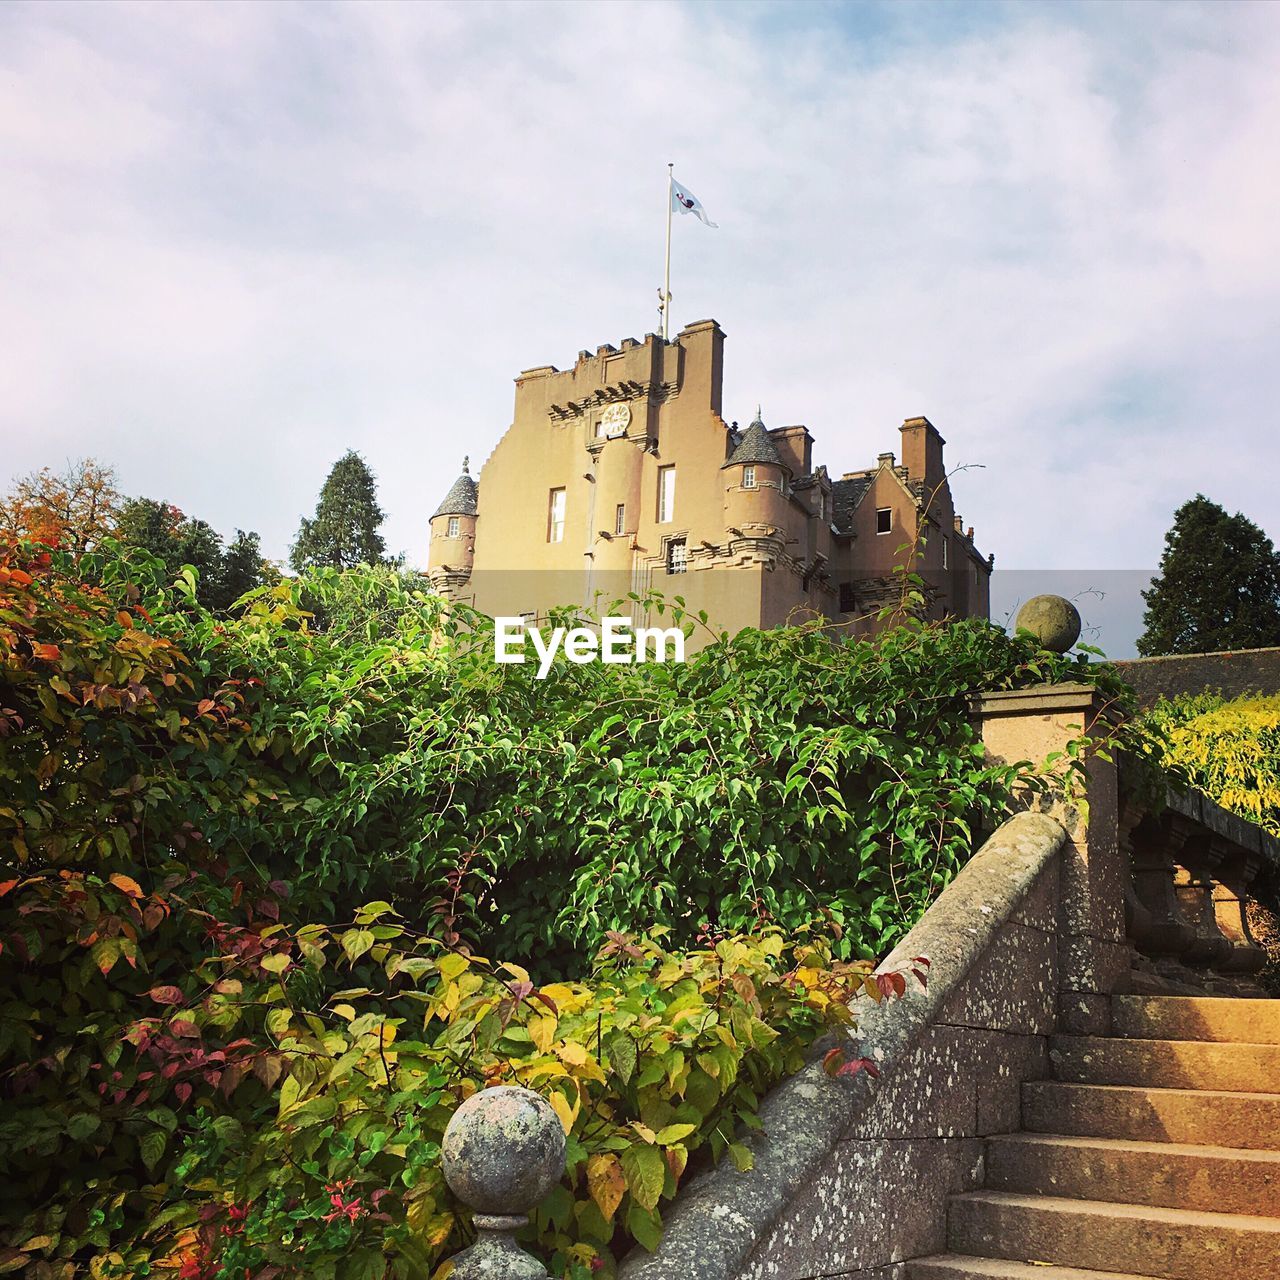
[181, 792]
[221, 1100]
[1230, 750]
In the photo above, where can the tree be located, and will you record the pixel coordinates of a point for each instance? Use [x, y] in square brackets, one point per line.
[74, 509]
[163, 530]
[344, 532]
[243, 569]
[1218, 586]
[222, 576]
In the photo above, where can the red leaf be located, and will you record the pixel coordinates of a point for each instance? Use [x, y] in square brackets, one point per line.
[182, 1092]
[185, 1028]
[167, 995]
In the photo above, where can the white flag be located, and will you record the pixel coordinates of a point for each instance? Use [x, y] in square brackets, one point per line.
[684, 201]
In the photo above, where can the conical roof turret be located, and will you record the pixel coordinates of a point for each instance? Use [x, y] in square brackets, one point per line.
[463, 498]
[756, 445]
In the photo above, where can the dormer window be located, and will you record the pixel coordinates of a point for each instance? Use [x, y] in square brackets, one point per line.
[455, 526]
[749, 476]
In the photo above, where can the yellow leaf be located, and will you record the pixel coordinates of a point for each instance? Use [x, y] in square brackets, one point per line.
[574, 1054]
[127, 884]
[644, 1131]
[542, 1031]
[607, 1184]
[453, 966]
[567, 1113]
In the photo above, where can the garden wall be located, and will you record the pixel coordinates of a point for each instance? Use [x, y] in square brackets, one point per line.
[1231, 674]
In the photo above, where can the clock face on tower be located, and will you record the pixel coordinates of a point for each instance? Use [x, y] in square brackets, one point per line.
[614, 421]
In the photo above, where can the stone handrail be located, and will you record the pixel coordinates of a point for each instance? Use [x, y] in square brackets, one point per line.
[724, 1215]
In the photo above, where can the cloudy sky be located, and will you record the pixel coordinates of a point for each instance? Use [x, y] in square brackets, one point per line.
[238, 239]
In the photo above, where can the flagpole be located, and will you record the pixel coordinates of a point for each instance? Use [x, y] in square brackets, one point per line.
[666, 287]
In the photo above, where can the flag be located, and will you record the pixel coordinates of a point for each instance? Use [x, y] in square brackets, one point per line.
[684, 201]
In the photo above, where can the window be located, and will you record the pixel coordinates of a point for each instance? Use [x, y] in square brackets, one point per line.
[848, 602]
[677, 555]
[452, 531]
[946, 556]
[666, 494]
[749, 476]
[620, 520]
[884, 519]
[555, 516]
[822, 508]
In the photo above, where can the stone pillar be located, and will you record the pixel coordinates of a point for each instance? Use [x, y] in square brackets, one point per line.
[503, 1152]
[1094, 957]
[1230, 895]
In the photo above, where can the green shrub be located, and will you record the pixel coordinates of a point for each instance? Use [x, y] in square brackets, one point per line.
[181, 792]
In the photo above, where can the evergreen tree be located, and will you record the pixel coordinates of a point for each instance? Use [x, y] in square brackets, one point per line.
[222, 576]
[162, 529]
[344, 532]
[243, 568]
[1218, 586]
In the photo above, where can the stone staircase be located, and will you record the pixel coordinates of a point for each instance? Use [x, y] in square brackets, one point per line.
[1153, 1154]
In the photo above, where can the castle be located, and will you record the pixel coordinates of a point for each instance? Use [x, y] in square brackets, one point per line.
[621, 476]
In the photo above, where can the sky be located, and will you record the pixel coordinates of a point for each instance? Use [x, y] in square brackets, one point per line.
[238, 239]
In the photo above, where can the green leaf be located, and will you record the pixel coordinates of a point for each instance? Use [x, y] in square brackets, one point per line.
[622, 1055]
[644, 1225]
[645, 1170]
[152, 1145]
[81, 1126]
[355, 942]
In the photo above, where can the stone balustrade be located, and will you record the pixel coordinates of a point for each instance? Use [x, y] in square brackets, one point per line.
[1192, 867]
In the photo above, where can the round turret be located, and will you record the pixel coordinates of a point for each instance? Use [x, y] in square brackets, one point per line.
[755, 480]
[453, 532]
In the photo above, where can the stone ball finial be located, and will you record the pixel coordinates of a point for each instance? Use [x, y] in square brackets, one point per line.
[503, 1150]
[1054, 621]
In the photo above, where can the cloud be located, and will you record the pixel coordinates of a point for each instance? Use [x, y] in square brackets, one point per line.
[239, 239]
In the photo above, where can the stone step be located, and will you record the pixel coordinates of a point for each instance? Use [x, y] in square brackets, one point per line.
[1187, 1018]
[956, 1266]
[1166, 1174]
[1167, 1064]
[1166, 1244]
[1209, 1116]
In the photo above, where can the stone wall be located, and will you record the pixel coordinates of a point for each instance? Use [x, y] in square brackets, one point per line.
[1232, 674]
[851, 1176]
